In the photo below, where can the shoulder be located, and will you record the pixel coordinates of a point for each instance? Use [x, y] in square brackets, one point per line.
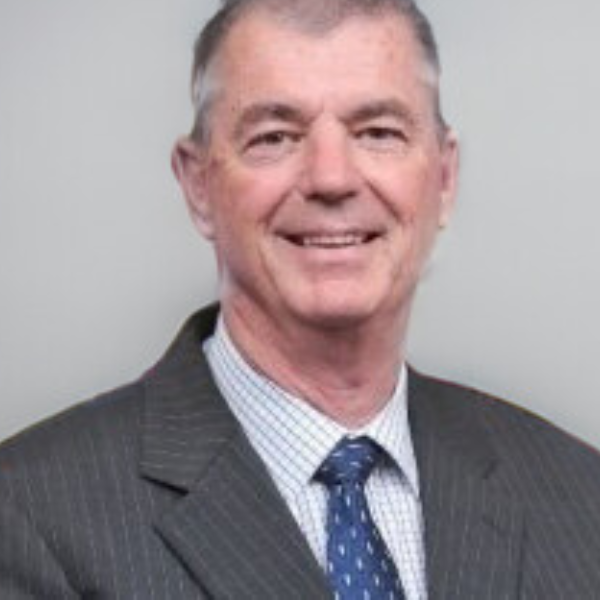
[108, 425]
[61, 474]
[532, 450]
[97, 427]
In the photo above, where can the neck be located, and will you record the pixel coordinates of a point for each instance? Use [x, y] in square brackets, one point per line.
[347, 373]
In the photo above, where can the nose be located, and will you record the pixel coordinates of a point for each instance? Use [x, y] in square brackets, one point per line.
[330, 172]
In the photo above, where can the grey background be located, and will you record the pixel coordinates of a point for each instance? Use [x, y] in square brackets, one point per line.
[99, 265]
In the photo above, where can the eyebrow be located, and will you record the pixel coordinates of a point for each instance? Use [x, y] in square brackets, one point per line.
[383, 108]
[279, 111]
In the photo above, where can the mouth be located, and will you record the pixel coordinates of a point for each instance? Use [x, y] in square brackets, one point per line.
[331, 241]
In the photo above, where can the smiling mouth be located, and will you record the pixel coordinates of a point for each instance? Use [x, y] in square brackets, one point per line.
[331, 240]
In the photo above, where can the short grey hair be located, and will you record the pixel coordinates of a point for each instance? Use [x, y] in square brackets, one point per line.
[315, 17]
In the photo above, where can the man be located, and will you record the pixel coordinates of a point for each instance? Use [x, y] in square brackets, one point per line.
[282, 448]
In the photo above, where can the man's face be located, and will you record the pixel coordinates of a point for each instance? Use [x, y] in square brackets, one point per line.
[325, 178]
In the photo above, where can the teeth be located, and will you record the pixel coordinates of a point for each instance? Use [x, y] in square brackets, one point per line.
[333, 241]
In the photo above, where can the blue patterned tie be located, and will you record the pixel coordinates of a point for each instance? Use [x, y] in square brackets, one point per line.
[359, 565]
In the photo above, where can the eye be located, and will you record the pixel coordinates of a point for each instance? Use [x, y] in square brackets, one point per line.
[382, 138]
[271, 145]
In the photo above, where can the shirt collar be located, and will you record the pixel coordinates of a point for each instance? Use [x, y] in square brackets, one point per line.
[290, 435]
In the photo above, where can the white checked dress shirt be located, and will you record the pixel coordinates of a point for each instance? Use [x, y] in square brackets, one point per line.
[293, 439]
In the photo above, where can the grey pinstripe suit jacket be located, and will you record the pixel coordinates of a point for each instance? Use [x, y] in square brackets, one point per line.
[153, 492]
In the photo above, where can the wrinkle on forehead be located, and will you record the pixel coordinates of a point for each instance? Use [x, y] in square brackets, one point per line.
[318, 70]
[317, 18]
[259, 27]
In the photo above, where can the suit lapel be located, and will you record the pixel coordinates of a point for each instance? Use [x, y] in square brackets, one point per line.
[230, 527]
[473, 529]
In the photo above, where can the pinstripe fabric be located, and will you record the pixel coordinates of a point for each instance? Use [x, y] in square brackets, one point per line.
[294, 439]
[118, 498]
[154, 492]
[512, 504]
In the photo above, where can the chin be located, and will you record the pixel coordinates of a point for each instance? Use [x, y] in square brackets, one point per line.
[336, 314]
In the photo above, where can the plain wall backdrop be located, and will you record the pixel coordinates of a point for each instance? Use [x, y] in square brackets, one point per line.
[99, 265]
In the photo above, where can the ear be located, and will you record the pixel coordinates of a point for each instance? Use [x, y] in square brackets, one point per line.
[189, 163]
[449, 176]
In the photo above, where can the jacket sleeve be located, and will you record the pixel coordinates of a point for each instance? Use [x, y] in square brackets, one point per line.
[28, 568]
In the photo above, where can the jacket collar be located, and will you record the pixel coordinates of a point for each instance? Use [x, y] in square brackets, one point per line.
[230, 526]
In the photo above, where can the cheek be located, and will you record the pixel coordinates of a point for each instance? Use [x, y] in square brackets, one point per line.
[248, 202]
[422, 218]
[243, 205]
[409, 196]
[413, 199]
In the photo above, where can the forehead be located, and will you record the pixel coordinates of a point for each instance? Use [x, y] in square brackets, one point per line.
[262, 55]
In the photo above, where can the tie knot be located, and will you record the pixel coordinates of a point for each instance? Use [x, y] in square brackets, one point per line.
[351, 461]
